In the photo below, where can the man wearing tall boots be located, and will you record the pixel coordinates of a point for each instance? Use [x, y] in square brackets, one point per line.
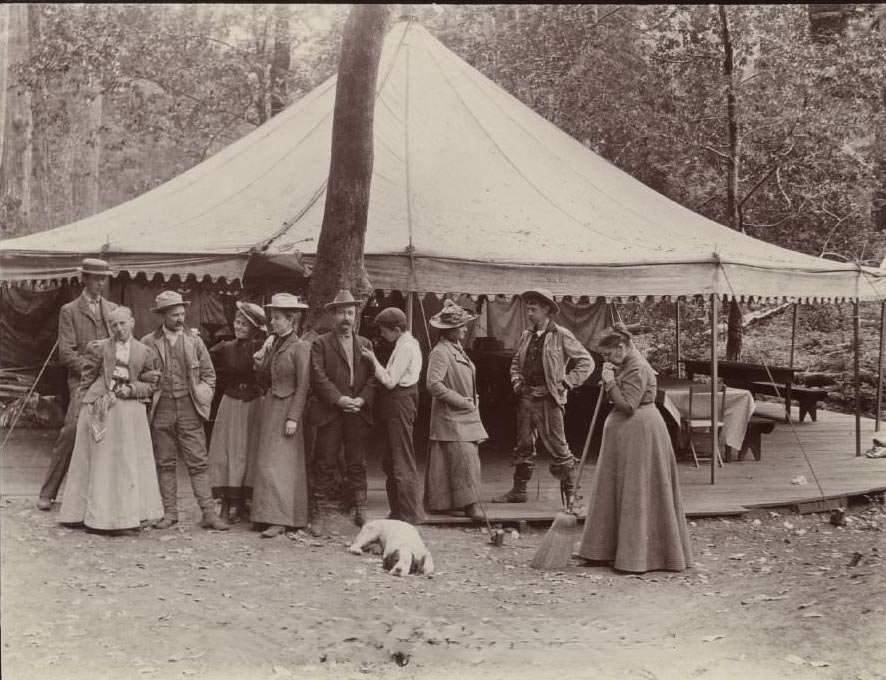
[181, 403]
[398, 406]
[79, 323]
[344, 384]
[549, 362]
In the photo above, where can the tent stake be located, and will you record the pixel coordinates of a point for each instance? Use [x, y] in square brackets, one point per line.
[715, 314]
[856, 328]
[880, 365]
[677, 337]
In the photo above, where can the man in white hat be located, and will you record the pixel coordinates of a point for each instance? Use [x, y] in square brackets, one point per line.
[549, 362]
[343, 383]
[182, 402]
[80, 322]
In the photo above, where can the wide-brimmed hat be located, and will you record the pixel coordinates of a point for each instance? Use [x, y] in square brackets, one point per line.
[343, 298]
[253, 314]
[94, 266]
[544, 295]
[451, 316]
[286, 301]
[167, 299]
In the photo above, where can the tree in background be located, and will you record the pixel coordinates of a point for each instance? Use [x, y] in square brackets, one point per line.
[742, 114]
[123, 97]
[339, 263]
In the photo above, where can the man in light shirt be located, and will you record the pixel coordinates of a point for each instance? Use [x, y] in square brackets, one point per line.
[397, 408]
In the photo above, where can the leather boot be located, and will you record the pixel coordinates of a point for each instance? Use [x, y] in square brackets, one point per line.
[169, 493]
[200, 486]
[567, 488]
[517, 494]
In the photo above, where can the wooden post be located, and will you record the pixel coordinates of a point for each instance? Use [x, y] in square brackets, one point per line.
[715, 316]
[794, 334]
[880, 365]
[677, 336]
[856, 331]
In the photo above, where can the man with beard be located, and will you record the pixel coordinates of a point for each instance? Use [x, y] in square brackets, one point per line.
[79, 323]
[181, 403]
[343, 383]
[549, 362]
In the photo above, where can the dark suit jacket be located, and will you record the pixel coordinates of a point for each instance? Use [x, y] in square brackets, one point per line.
[330, 377]
[144, 369]
[77, 327]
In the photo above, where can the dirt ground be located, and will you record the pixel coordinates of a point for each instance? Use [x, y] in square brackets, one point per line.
[780, 596]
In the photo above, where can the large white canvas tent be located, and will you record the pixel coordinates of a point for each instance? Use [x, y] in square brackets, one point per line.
[472, 192]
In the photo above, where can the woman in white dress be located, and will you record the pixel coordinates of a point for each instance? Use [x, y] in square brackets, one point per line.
[112, 482]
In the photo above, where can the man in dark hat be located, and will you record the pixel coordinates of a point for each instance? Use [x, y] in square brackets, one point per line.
[79, 323]
[181, 403]
[549, 362]
[398, 406]
[343, 383]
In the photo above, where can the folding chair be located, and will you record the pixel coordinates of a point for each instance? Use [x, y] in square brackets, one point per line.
[699, 420]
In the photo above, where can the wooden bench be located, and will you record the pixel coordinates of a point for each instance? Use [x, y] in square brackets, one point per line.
[807, 397]
[742, 375]
[757, 427]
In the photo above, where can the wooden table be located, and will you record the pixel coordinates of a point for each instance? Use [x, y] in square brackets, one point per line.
[673, 399]
[741, 375]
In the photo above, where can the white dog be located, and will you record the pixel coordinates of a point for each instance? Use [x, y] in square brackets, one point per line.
[403, 551]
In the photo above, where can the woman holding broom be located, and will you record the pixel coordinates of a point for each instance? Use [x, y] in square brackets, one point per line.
[635, 517]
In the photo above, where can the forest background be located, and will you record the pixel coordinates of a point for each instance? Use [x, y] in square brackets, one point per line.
[769, 119]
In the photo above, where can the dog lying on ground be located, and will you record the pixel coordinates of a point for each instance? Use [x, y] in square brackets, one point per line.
[403, 551]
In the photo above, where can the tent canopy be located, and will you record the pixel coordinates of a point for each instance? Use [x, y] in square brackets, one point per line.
[472, 192]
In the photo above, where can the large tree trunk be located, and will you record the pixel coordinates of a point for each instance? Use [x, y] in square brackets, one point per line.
[86, 129]
[18, 127]
[339, 263]
[733, 333]
[280, 59]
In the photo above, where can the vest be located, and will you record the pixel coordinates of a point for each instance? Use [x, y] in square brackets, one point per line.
[174, 382]
[533, 365]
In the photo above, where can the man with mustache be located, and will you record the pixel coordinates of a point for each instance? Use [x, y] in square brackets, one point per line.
[343, 383]
[80, 322]
[181, 404]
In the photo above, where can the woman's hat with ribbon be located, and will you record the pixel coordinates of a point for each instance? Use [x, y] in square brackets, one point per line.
[253, 314]
[451, 316]
[286, 301]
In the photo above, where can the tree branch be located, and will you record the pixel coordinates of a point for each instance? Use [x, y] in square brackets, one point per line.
[716, 152]
[760, 183]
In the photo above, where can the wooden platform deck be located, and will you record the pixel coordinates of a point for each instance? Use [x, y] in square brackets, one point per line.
[741, 486]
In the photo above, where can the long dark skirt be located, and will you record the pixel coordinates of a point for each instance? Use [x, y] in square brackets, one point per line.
[635, 514]
[233, 446]
[452, 480]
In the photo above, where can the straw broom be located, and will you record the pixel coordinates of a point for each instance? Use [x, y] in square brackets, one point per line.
[557, 545]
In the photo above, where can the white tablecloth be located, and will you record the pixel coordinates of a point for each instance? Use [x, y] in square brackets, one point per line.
[736, 414]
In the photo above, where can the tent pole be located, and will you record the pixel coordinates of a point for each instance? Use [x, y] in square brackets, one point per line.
[677, 336]
[409, 312]
[794, 334]
[880, 364]
[715, 314]
[856, 328]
